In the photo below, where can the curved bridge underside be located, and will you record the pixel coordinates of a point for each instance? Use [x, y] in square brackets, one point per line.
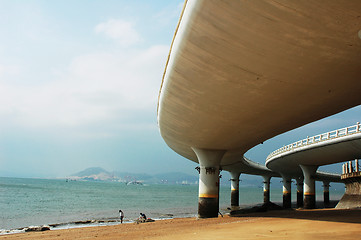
[341, 149]
[242, 72]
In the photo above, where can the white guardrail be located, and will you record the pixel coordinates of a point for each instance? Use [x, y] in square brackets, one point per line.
[318, 138]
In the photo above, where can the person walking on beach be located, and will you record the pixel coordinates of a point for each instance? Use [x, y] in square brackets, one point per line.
[121, 215]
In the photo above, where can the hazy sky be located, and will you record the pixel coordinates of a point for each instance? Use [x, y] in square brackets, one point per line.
[79, 82]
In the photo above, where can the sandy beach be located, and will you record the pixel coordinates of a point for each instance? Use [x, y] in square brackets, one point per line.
[284, 224]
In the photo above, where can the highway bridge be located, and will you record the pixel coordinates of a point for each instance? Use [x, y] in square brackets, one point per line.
[300, 160]
[241, 72]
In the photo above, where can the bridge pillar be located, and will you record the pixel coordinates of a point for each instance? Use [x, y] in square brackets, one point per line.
[266, 188]
[299, 192]
[208, 198]
[309, 186]
[326, 194]
[286, 191]
[235, 190]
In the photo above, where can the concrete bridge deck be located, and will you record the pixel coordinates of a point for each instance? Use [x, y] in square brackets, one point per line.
[332, 147]
[241, 72]
[300, 160]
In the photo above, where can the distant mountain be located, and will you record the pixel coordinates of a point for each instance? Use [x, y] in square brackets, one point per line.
[93, 174]
[90, 171]
[100, 174]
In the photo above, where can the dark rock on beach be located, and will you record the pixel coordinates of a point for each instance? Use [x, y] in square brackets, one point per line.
[137, 221]
[37, 228]
[84, 222]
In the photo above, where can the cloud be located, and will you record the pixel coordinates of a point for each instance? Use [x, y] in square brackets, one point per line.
[102, 87]
[8, 70]
[121, 31]
[131, 78]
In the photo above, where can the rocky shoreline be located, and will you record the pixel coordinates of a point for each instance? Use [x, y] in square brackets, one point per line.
[75, 224]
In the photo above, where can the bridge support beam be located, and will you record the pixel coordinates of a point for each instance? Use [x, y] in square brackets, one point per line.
[235, 190]
[309, 186]
[326, 194]
[299, 192]
[286, 191]
[208, 200]
[266, 188]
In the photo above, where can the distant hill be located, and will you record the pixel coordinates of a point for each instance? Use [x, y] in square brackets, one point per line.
[93, 174]
[90, 171]
[100, 174]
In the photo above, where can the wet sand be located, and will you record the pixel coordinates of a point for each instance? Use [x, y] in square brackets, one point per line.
[283, 224]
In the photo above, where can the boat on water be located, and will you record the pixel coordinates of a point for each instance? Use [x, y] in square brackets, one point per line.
[134, 183]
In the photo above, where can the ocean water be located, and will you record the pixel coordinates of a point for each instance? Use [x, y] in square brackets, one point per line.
[29, 202]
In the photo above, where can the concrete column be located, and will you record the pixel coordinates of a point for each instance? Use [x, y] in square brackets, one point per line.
[309, 186]
[286, 191]
[326, 193]
[356, 165]
[350, 170]
[208, 198]
[299, 192]
[346, 168]
[235, 190]
[266, 188]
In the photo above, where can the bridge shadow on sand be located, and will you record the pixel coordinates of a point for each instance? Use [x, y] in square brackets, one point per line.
[325, 214]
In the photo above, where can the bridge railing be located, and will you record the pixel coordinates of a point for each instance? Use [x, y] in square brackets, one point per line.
[318, 138]
[349, 170]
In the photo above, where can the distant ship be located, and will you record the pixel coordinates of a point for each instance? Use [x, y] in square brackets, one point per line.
[185, 183]
[134, 183]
